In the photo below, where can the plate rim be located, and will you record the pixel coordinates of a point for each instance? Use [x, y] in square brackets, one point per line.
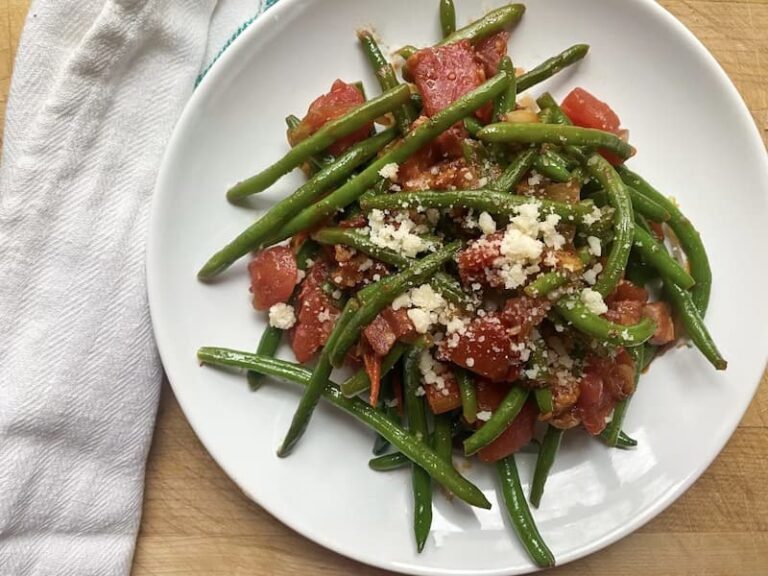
[218, 69]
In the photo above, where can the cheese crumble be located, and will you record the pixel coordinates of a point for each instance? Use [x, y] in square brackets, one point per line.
[389, 171]
[282, 316]
[593, 301]
[398, 235]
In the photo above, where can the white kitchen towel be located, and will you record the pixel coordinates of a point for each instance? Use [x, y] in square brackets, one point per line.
[97, 88]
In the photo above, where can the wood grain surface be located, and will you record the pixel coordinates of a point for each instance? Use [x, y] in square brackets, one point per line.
[196, 522]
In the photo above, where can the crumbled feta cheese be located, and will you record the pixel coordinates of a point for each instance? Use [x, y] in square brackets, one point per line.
[470, 362]
[593, 216]
[300, 275]
[282, 316]
[487, 223]
[389, 171]
[590, 276]
[398, 236]
[431, 370]
[420, 391]
[593, 301]
[420, 319]
[534, 179]
[484, 415]
[594, 246]
[324, 315]
[366, 264]
[336, 294]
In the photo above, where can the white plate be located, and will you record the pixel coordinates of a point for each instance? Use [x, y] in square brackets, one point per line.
[696, 141]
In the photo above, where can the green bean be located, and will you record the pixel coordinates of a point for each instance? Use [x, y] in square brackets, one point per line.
[501, 418]
[407, 51]
[472, 125]
[410, 144]
[547, 453]
[506, 100]
[317, 383]
[443, 283]
[641, 205]
[384, 292]
[574, 311]
[683, 301]
[493, 22]
[320, 140]
[315, 163]
[263, 230]
[271, 337]
[625, 442]
[686, 233]
[385, 74]
[359, 381]
[552, 166]
[483, 200]
[657, 256]
[520, 514]
[612, 431]
[534, 133]
[552, 66]
[442, 438]
[389, 462]
[518, 167]
[380, 444]
[468, 394]
[416, 451]
[543, 400]
[623, 222]
[447, 17]
[417, 425]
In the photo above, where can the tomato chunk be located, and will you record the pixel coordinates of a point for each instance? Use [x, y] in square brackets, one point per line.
[475, 262]
[661, 314]
[491, 50]
[483, 349]
[588, 112]
[341, 99]
[273, 276]
[626, 290]
[515, 436]
[388, 326]
[443, 74]
[624, 312]
[316, 314]
[605, 382]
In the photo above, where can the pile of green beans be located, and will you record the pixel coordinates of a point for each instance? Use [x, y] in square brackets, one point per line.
[610, 229]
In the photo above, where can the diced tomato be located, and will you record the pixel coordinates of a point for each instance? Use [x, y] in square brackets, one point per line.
[273, 276]
[588, 112]
[490, 394]
[341, 99]
[445, 400]
[388, 326]
[515, 436]
[523, 313]
[605, 382]
[443, 74]
[483, 349]
[475, 262]
[350, 273]
[380, 335]
[316, 314]
[661, 314]
[626, 290]
[425, 174]
[624, 312]
[491, 50]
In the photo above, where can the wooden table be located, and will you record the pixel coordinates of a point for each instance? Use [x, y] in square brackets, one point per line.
[196, 522]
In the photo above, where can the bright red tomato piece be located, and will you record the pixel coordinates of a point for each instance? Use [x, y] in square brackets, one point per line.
[588, 112]
[491, 50]
[443, 74]
[316, 314]
[626, 290]
[273, 276]
[515, 436]
[483, 349]
[341, 99]
[475, 262]
[388, 326]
